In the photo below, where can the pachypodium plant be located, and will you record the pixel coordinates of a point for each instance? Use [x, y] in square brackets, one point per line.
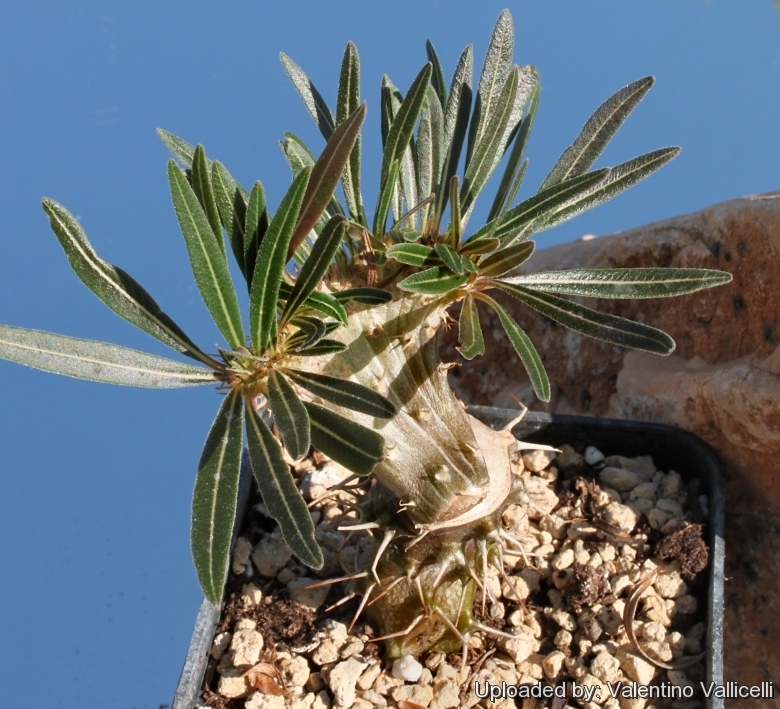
[345, 313]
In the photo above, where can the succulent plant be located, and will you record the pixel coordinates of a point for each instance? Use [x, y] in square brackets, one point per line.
[341, 351]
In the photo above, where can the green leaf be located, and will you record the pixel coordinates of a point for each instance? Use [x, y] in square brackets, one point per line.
[270, 264]
[456, 217]
[456, 122]
[450, 258]
[516, 167]
[322, 302]
[433, 281]
[280, 494]
[437, 77]
[524, 348]
[488, 150]
[312, 98]
[209, 265]
[232, 204]
[255, 229]
[311, 330]
[290, 415]
[343, 392]
[117, 289]
[97, 361]
[215, 498]
[619, 331]
[430, 155]
[619, 179]
[597, 132]
[402, 128]
[322, 348]
[472, 343]
[365, 296]
[385, 198]
[505, 260]
[411, 254]
[354, 446]
[474, 247]
[204, 191]
[325, 175]
[495, 71]
[623, 282]
[316, 266]
[183, 151]
[348, 102]
[297, 153]
[516, 222]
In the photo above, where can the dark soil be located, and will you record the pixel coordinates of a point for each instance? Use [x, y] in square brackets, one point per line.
[688, 547]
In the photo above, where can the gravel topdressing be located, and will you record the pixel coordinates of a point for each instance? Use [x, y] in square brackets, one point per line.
[594, 529]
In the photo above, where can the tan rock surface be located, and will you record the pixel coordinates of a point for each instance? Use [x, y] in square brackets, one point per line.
[722, 383]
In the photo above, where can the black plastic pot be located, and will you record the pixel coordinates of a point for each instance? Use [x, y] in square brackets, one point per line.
[671, 448]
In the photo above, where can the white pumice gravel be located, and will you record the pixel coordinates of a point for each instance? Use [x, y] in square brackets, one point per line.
[594, 550]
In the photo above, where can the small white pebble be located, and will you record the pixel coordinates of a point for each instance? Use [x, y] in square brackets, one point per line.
[564, 560]
[593, 455]
[407, 669]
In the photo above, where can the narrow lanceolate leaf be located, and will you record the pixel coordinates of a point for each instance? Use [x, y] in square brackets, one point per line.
[454, 145]
[385, 198]
[515, 166]
[215, 498]
[354, 446]
[505, 260]
[449, 257]
[204, 191]
[433, 281]
[183, 151]
[454, 230]
[117, 289]
[343, 392]
[462, 77]
[412, 254]
[279, 492]
[437, 78]
[209, 265]
[315, 267]
[472, 344]
[474, 247]
[232, 202]
[97, 361]
[322, 348]
[495, 70]
[619, 179]
[348, 102]
[597, 132]
[312, 98]
[255, 229]
[430, 154]
[404, 122]
[515, 222]
[632, 283]
[311, 330]
[611, 328]
[365, 296]
[289, 415]
[525, 350]
[325, 175]
[489, 148]
[270, 264]
[325, 303]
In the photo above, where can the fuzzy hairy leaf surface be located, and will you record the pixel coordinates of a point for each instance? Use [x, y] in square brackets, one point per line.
[351, 444]
[204, 191]
[280, 494]
[433, 281]
[343, 392]
[597, 132]
[97, 361]
[289, 415]
[312, 98]
[215, 498]
[209, 265]
[270, 264]
[472, 344]
[117, 289]
[183, 151]
[602, 326]
[632, 283]
[348, 102]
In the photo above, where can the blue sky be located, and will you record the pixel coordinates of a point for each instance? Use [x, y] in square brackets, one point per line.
[98, 594]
